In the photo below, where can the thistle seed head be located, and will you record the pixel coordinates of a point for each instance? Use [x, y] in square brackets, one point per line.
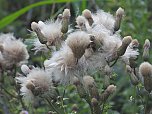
[78, 42]
[145, 69]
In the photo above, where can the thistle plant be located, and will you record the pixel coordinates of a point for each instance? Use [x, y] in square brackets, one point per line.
[73, 58]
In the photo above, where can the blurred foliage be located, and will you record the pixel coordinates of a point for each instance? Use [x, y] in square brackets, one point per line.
[137, 23]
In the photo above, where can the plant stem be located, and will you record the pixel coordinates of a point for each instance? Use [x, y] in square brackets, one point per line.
[8, 92]
[17, 89]
[54, 107]
[114, 62]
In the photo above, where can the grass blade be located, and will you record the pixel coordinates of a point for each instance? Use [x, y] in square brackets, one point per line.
[10, 18]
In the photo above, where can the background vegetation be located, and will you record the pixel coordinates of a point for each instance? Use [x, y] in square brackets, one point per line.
[17, 15]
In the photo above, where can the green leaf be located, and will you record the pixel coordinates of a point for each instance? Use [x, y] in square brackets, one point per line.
[84, 4]
[10, 18]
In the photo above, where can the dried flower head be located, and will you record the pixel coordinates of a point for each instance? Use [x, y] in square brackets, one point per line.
[105, 20]
[13, 52]
[78, 42]
[6, 37]
[48, 32]
[60, 64]
[37, 83]
[145, 69]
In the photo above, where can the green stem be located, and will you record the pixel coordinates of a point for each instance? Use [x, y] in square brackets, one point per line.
[17, 89]
[8, 92]
[89, 102]
[62, 102]
[57, 110]
[103, 105]
[114, 62]
[48, 47]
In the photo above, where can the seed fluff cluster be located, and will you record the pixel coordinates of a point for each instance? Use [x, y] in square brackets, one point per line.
[78, 53]
[12, 51]
[36, 83]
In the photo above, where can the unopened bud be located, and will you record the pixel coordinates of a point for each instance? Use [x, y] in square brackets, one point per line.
[88, 81]
[125, 42]
[146, 50]
[25, 69]
[104, 96]
[119, 15]
[96, 106]
[145, 70]
[91, 86]
[65, 20]
[75, 108]
[80, 20]
[94, 102]
[111, 89]
[87, 14]
[37, 30]
[133, 78]
[66, 13]
[80, 88]
[76, 81]
[78, 42]
[135, 43]
[24, 112]
[120, 12]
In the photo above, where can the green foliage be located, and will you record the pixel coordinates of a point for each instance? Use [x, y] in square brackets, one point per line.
[10, 18]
